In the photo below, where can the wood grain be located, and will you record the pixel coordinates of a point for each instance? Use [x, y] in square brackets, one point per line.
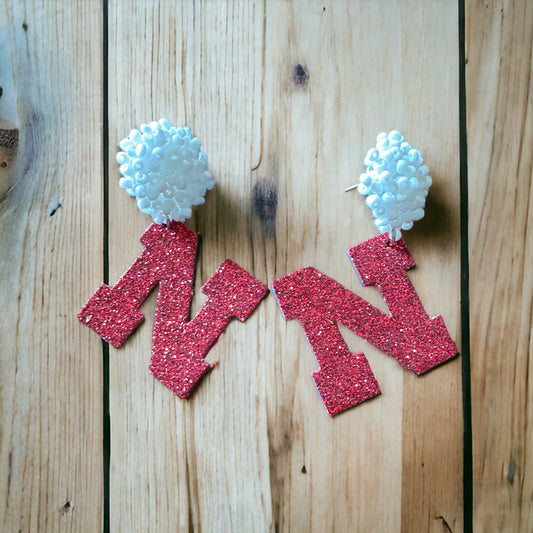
[9, 138]
[51, 380]
[8, 114]
[500, 141]
[253, 449]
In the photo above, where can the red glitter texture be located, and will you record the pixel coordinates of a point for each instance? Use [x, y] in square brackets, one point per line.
[179, 346]
[406, 333]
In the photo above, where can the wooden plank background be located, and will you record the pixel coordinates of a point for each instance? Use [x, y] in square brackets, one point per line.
[500, 137]
[254, 449]
[51, 258]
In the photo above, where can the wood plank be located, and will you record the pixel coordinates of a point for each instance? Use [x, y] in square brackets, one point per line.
[8, 113]
[499, 37]
[232, 456]
[50, 260]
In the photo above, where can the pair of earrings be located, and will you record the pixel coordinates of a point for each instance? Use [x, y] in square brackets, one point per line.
[164, 168]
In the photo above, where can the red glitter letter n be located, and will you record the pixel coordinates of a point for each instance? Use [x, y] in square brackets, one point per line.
[179, 346]
[419, 343]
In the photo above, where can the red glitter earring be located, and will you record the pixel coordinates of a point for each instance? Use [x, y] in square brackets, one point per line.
[397, 183]
[164, 168]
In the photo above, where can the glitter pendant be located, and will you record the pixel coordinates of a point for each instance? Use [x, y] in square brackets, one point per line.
[417, 342]
[179, 346]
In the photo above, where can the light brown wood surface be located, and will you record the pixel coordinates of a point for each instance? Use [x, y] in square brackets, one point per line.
[254, 449]
[50, 259]
[500, 142]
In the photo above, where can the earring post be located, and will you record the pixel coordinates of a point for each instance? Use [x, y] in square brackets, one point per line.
[352, 187]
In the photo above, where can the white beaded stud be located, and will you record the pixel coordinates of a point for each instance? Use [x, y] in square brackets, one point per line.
[163, 167]
[396, 184]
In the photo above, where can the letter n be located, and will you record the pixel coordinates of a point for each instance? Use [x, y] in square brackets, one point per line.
[179, 346]
[418, 342]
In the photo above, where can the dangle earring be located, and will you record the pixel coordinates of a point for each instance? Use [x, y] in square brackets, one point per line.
[395, 184]
[163, 168]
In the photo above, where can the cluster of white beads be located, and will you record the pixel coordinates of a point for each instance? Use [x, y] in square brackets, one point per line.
[163, 167]
[396, 184]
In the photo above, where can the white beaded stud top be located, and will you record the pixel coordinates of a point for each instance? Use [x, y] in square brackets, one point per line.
[163, 167]
[396, 184]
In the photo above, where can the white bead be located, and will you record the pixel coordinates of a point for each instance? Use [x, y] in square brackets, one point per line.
[373, 201]
[396, 183]
[143, 203]
[164, 168]
[152, 194]
[141, 177]
[141, 150]
[158, 153]
[388, 198]
[126, 183]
